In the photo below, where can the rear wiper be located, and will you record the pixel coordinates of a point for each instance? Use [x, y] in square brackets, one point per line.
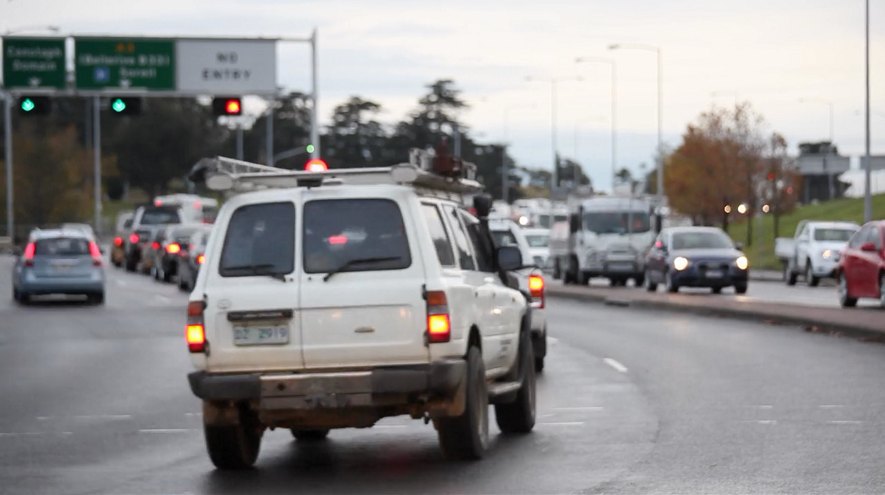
[259, 269]
[349, 263]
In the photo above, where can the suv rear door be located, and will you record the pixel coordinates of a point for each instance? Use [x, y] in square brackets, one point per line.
[361, 287]
[250, 289]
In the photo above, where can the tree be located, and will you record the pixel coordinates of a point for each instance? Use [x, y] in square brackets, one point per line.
[354, 138]
[291, 129]
[434, 119]
[781, 186]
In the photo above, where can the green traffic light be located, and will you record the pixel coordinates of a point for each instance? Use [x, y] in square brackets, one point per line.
[28, 105]
[118, 105]
[310, 148]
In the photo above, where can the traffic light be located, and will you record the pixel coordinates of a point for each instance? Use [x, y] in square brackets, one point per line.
[124, 105]
[227, 106]
[34, 105]
[309, 148]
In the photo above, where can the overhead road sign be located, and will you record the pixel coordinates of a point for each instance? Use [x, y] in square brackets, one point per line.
[34, 63]
[124, 63]
[224, 67]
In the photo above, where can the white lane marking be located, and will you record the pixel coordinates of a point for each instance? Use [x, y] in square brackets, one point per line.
[162, 299]
[165, 430]
[552, 340]
[193, 414]
[562, 423]
[616, 365]
[580, 408]
[34, 433]
[766, 422]
[112, 417]
[845, 422]
[121, 282]
[831, 406]
[763, 406]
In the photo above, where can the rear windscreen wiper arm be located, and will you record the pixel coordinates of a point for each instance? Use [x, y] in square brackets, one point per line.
[259, 269]
[357, 261]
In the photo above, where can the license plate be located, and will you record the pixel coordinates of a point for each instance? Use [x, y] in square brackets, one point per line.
[714, 274]
[261, 335]
[621, 267]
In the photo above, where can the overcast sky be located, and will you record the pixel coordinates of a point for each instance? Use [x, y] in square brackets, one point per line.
[771, 53]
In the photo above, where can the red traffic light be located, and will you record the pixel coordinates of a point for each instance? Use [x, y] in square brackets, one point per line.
[316, 165]
[227, 106]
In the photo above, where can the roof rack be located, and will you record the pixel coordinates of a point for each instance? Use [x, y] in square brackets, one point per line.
[237, 176]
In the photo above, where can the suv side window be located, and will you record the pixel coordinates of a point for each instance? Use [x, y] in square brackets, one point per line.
[481, 246]
[260, 240]
[438, 235]
[462, 245]
[873, 236]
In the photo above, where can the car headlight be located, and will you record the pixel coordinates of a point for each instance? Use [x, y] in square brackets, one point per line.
[827, 254]
[742, 262]
[680, 263]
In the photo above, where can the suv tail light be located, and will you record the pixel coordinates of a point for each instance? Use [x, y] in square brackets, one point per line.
[201, 258]
[118, 241]
[95, 253]
[536, 288]
[155, 245]
[28, 255]
[195, 332]
[439, 327]
[173, 248]
[133, 238]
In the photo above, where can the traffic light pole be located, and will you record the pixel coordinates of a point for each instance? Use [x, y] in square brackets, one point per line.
[96, 159]
[314, 119]
[7, 137]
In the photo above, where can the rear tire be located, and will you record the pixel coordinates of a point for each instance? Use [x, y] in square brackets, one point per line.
[131, 265]
[717, 290]
[672, 286]
[234, 447]
[519, 416]
[790, 274]
[466, 437]
[96, 299]
[810, 279]
[309, 435]
[639, 281]
[740, 288]
[649, 285]
[845, 299]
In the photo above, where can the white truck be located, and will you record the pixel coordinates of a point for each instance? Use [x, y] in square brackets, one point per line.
[606, 236]
[334, 299]
[814, 250]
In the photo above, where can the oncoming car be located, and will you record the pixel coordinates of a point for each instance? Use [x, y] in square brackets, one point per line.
[696, 257]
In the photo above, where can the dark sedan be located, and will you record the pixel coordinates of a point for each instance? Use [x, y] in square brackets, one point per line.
[696, 257]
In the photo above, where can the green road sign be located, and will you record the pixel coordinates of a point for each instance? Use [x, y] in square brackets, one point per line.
[34, 63]
[102, 63]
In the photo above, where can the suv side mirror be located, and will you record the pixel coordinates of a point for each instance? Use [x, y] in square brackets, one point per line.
[482, 203]
[868, 247]
[509, 258]
[739, 246]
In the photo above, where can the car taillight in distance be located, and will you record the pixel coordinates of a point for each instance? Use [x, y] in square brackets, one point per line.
[195, 332]
[201, 258]
[133, 238]
[173, 248]
[155, 245]
[536, 288]
[95, 253]
[28, 255]
[118, 241]
[439, 327]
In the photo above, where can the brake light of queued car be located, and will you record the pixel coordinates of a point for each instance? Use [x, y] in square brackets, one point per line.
[95, 253]
[536, 288]
[118, 241]
[133, 238]
[155, 245]
[439, 327]
[337, 240]
[201, 258]
[28, 255]
[195, 332]
[173, 248]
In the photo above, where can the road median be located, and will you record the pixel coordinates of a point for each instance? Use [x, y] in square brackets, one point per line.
[866, 322]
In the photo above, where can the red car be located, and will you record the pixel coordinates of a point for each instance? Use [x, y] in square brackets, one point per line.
[862, 266]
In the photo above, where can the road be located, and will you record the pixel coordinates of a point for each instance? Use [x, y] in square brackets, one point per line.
[94, 400]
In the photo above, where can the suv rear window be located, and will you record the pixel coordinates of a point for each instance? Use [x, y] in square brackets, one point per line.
[160, 216]
[62, 246]
[347, 235]
[260, 240]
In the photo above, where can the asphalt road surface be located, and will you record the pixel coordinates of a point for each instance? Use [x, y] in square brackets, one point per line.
[95, 400]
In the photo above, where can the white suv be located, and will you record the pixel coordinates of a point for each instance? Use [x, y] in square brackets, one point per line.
[334, 299]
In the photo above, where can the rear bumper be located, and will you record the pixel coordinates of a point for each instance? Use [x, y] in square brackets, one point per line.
[85, 285]
[440, 379]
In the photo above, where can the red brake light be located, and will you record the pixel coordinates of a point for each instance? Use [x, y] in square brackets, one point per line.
[95, 253]
[173, 248]
[337, 240]
[195, 333]
[536, 288]
[155, 245]
[439, 327]
[30, 249]
[201, 259]
[118, 241]
[316, 165]
[133, 238]
[659, 244]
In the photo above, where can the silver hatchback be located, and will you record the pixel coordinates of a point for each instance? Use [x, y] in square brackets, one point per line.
[64, 261]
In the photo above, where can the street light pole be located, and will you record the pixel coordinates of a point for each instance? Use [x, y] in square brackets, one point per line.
[505, 179]
[314, 113]
[553, 82]
[614, 109]
[867, 198]
[659, 158]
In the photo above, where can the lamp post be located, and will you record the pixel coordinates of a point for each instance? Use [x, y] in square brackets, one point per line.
[614, 107]
[867, 197]
[826, 153]
[660, 163]
[553, 82]
[505, 179]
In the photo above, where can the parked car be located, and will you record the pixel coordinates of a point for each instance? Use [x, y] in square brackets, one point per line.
[531, 280]
[814, 251]
[59, 261]
[172, 242]
[861, 271]
[192, 257]
[146, 221]
[696, 257]
[121, 232]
